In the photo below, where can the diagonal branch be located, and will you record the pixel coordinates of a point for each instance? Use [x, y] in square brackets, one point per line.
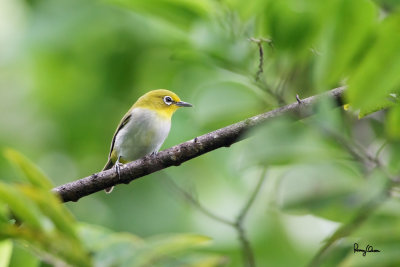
[178, 154]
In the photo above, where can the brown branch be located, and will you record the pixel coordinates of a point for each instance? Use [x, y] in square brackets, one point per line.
[178, 154]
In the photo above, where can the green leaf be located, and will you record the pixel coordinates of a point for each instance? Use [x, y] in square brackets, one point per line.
[289, 142]
[21, 206]
[51, 206]
[110, 248]
[6, 248]
[294, 24]
[382, 231]
[378, 73]
[327, 190]
[385, 103]
[205, 261]
[31, 172]
[212, 112]
[163, 246]
[388, 5]
[3, 213]
[393, 123]
[21, 256]
[54, 246]
[180, 12]
[348, 26]
[43, 223]
[125, 249]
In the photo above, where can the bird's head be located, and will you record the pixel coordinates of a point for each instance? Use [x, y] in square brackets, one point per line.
[163, 101]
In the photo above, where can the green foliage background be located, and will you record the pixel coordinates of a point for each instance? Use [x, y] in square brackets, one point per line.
[70, 69]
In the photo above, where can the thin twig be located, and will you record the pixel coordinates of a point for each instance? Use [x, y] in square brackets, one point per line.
[378, 152]
[262, 82]
[188, 197]
[248, 254]
[261, 64]
[250, 201]
[259, 43]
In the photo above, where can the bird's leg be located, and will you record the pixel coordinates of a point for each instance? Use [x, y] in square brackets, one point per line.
[153, 154]
[299, 101]
[118, 165]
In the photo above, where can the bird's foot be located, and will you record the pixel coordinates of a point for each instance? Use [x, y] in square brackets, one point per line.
[118, 166]
[299, 101]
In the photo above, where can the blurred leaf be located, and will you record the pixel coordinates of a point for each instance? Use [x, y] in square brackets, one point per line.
[43, 222]
[125, 249]
[109, 248]
[21, 256]
[6, 248]
[282, 248]
[348, 26]
[293, 25]
[54, 247]
[385, 103]
[3, 213]
[388, 256]
[51, 206]
[31, 172]
[393, 122]
[388, 5]
[394, 157]
[381, 231]
[216, 102]
[326, 190]
[284, 141]
[180, 12]
[205, 261]
[21, 206]
[247, 9]
[379, 69]
[166, 246]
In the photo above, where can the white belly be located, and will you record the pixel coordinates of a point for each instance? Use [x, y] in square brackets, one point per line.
[143, 134]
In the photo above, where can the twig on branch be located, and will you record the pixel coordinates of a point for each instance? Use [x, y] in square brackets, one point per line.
[260, 42]
[178, 154]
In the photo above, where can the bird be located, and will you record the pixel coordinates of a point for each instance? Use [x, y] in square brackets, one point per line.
[143, 129]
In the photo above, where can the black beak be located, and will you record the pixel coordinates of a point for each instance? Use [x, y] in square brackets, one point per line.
[183, 104]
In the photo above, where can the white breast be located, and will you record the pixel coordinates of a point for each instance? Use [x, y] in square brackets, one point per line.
[143, 134]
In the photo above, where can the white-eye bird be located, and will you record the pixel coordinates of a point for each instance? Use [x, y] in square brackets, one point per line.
[144, 128]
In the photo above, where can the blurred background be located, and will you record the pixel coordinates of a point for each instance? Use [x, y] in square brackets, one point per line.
[69, 70]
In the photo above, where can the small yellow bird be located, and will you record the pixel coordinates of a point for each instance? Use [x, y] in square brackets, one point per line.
[144, 128]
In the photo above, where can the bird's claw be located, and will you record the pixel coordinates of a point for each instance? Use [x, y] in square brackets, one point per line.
[118, 166]
[299, 101]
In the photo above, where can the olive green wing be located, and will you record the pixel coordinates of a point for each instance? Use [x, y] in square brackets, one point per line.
[111, 159]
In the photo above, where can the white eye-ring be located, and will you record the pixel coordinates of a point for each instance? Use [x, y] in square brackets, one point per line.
[168, 100]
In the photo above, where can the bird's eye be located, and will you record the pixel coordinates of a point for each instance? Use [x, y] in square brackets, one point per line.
[168, 100]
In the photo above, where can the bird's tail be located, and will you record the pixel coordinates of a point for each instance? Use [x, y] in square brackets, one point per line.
[108, 166]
